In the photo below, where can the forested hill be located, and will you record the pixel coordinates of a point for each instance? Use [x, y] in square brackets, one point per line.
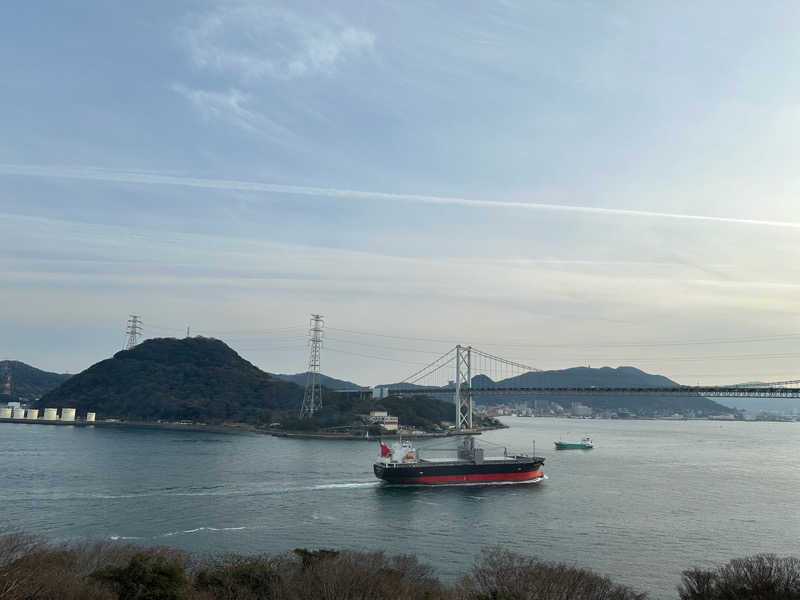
[199, 379]
[587, 377]
[572, 377]
[329, 382]
[203, 380]
[21, 382]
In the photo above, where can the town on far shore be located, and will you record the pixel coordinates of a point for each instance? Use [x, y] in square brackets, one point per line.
[579, 410]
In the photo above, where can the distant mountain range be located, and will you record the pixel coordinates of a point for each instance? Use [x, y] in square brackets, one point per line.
[28, 383]
[329, 382]
[23, 383]
[573, 377]
[605, 377]
[204, 380]
[582, 377]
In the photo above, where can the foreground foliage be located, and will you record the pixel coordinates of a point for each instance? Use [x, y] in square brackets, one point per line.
[760, 577]
[32, 570]
[503, 575]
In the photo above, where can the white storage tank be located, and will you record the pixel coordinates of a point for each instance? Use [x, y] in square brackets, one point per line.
[90, 417]
[19, 412]
[33, 413]
[5, 412]
[50, 414]
[67, 414]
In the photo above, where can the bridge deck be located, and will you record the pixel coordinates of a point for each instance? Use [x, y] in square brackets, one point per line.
[711, 391]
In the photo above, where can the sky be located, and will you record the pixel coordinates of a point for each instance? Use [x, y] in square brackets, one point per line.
[558, 183]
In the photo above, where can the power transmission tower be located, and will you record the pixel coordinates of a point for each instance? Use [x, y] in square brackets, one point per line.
[463, 395]
[312, 399]
[134, 330]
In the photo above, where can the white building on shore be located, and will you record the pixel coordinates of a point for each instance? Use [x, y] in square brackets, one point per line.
[384, 419]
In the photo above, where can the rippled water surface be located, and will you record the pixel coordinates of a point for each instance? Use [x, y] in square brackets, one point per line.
[652, 498]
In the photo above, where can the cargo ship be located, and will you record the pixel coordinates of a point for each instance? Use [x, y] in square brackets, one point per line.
[584, 444]
[403, 464]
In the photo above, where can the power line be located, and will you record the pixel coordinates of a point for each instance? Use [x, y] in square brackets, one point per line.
[399, 337]
[762, 356]
[254, 331]
[735, 340]
[271, 340]
[384, 346]
[270, 348]
[338, 351]
[650, 344]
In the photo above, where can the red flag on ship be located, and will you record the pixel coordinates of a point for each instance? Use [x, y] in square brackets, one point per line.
[385, 450]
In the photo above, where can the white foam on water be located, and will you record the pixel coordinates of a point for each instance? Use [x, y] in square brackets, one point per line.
[213, 491]
[198, 529]
[335, 486]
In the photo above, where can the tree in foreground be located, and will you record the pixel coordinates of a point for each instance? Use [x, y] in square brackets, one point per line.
[502, 575]
[760, 577]
[148, 576]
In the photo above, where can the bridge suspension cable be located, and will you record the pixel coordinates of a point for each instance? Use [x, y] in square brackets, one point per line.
[459, 366]
[440, 363]
[505, 361]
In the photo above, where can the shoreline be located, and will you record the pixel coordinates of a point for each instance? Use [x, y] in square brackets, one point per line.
[243, 428]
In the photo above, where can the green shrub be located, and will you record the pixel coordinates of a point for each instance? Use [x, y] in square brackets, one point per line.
[148, 576]
[241, 578]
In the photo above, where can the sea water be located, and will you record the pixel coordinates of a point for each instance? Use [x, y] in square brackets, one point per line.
[651, 499]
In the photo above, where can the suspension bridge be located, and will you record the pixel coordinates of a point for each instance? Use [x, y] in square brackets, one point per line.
[465, 371]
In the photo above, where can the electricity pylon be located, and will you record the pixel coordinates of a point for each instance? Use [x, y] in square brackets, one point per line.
[134, 330]
[312, 399]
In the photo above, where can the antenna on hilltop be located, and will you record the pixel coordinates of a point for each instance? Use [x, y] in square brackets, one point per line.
[312, 399]
[134, 330]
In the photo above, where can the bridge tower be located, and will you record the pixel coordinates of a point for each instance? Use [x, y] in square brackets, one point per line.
[312, 399]
[463, 394]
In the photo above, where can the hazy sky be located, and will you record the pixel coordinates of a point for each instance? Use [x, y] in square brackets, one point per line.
[561, 183]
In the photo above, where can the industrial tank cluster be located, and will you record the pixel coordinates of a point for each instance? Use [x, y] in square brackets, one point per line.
[50, 414]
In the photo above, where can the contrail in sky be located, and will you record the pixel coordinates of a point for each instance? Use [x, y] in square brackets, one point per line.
[149, 178]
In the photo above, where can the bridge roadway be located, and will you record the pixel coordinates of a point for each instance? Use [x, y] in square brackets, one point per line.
[683, 390]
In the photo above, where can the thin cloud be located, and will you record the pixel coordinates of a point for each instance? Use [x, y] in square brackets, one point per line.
[108, 175]
[232, 107]
[289, 45]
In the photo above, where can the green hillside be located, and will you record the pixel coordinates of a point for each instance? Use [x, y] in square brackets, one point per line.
[198, 379]
[24, 383]
[203, 380]
[329, 382]
[587, 377]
